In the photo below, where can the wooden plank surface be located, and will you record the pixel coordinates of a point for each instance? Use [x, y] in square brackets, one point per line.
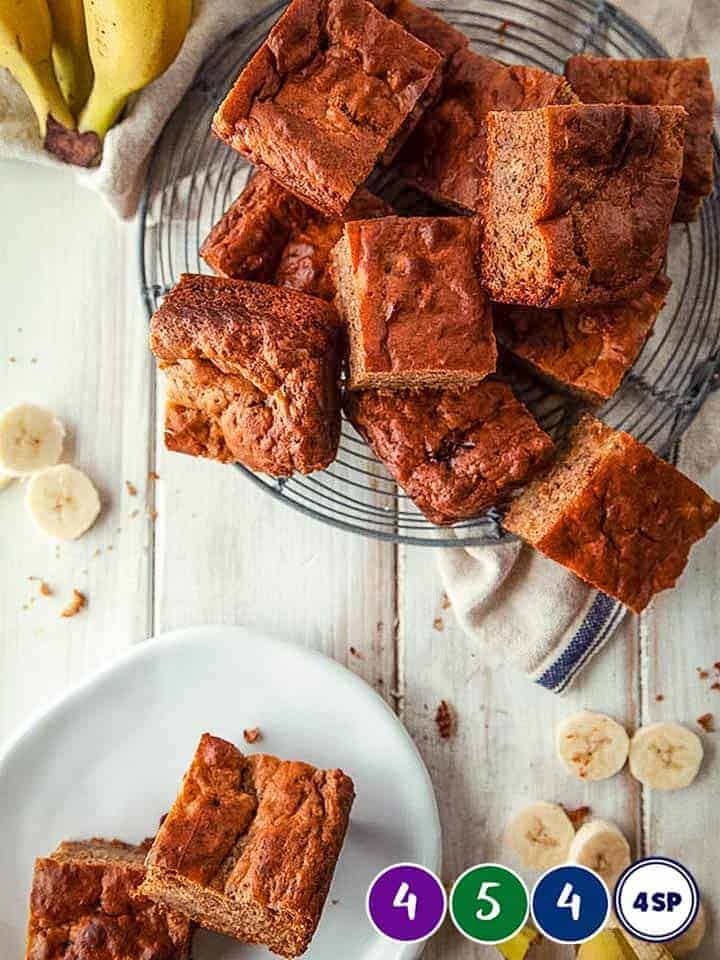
[220, 550]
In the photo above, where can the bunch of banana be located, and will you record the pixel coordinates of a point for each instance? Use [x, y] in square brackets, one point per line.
[79, 61]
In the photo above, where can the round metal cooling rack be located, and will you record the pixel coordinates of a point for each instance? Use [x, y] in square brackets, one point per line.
[194, 177]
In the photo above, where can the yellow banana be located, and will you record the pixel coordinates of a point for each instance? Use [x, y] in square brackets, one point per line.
[615, 944]
[70, 52]
[25, 49]
[518, 947]
[131, 43]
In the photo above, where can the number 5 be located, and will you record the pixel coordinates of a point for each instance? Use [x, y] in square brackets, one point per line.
[484, 896]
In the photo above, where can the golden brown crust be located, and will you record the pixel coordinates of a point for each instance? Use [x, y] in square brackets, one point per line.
[587, 350]
[427, 26]
[252, 374]
[262, 834]
[455, 454]
[271, 236]
[416, 313]
[615, 514]
[684, 83]
[335, 86]
[445, 156]
[84, 905]
[585, 218]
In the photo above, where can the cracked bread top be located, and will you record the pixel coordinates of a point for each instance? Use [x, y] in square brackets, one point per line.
[335, 86]
[587, 350]
[252, 373]
[445, 155]
[258, 829]
[615, 514]
[686, 83]
[579, 200]
[454, 453]
[416, 312]
[84, 905]
[270, 235]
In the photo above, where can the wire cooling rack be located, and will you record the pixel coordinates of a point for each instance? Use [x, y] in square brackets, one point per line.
[193, 178]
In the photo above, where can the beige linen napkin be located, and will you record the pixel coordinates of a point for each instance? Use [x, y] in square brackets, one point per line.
[518, 607]
[128, 145]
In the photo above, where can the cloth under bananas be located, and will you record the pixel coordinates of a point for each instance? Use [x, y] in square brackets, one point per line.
[79, 61]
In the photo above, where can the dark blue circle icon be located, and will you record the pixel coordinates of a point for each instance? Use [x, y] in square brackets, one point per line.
[570, 904]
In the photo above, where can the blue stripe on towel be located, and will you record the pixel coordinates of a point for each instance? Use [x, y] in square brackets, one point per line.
[602, 618]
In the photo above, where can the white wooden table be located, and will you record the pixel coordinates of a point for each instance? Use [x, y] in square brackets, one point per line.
[73, 336]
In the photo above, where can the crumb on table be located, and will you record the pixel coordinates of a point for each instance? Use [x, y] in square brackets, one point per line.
[578, 815]
[707, 722]
[659, 697]
[445, 720]
[79, 600]
[703, 674]
[251, 735]
[131, 488]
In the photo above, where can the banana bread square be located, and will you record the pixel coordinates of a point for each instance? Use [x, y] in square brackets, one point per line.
[250, 845]
[585, 350]
[335, 87]
[454, 453]
[85, 905]
[427, 26]
[579, 202]
[252, 374]
[445, 155]
[409, 292]
[686, 83]
[271, 236]
[615, 514]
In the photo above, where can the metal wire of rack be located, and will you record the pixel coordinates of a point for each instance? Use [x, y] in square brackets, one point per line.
[193, 178]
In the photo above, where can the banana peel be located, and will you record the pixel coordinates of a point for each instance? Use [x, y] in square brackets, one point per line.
[70, 54]
[520, 945]
[131, 43]
[615, 944]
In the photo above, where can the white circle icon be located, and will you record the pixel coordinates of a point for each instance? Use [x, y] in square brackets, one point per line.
[656, 899]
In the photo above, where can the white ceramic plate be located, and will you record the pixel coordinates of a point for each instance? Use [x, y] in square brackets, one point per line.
[106, 760]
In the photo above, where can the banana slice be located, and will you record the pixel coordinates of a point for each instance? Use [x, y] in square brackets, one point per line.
[62, 501]
[541, 835]
[592, 746]
[665, 756]
[602, 847]
[689, 941]
[31, 438]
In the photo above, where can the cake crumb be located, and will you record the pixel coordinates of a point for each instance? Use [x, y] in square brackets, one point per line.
[251, 735]
[445, 720]
[502, 27]
[131, 488]
[703, 674]
[445, 602]
[577, 816]
[354, 652]
[659, 697]
[715, 686]
[45, 589]
[717, 666]
[153, 476]
[153, 514]
[707, 722]
[79, 600]
[438, 623]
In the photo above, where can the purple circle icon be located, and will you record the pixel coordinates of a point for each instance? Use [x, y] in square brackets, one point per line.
[406, 902]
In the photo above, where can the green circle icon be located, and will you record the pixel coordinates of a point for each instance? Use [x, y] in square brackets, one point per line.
[489, 903]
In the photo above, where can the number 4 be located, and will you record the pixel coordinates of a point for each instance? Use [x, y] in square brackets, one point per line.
[569, 901]
[403, 898]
